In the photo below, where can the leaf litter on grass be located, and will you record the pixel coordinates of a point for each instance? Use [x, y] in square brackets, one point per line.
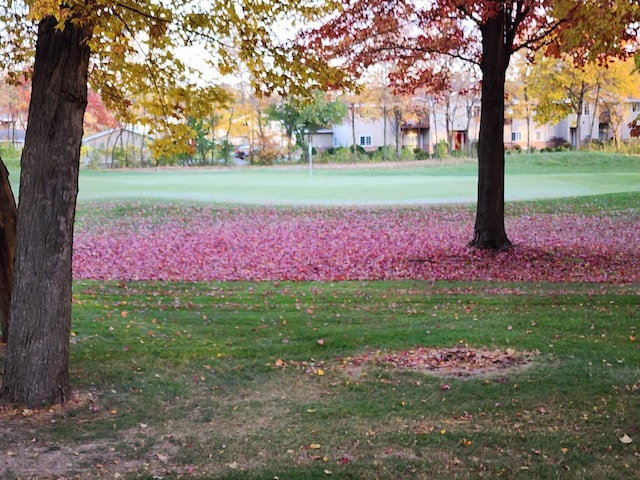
[193, 243]
[190, 243]
[460, 361]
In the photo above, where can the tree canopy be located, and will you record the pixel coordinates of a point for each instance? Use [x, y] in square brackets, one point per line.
[158, 64]
[560, 89]
[414, 35]
[301, 119]
[129, 52]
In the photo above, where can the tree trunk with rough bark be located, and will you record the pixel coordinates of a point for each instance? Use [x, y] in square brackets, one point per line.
[489, 231]
[36, 370]
[7, 247]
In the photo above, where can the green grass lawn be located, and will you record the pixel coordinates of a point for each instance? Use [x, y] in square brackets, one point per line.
[268, 380]
[536, 176]
[528, 177]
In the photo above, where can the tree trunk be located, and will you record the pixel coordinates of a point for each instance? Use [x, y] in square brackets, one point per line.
[397, 120]
[435, 128]
[353, 133]
[7, 247]
[384, 131]
[489, 231]
[467, 142]
[36, 371]
[593, 116]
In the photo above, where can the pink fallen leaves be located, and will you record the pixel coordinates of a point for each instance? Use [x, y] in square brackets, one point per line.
[202, 243]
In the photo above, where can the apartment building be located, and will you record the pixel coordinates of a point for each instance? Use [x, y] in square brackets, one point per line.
[427, 131]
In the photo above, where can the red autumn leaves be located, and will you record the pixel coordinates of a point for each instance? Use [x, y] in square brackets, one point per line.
[194, 243]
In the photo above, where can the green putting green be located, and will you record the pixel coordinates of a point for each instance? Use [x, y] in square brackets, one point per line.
[344, 186]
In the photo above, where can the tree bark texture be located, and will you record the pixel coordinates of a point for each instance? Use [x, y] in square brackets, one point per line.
[36, 370]
[489, 231]
[7, 247]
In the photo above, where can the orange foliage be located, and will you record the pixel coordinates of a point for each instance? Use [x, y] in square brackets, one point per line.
[410, 35]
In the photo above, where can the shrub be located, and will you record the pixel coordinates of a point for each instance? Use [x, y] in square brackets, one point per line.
[442, 149]
[340, 155]
[630, 146]
[359, 149]
[379, 154]
[406, 154]
[265, 156]
[421, 154]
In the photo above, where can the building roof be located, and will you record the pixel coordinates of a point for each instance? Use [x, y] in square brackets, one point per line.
[111, 131]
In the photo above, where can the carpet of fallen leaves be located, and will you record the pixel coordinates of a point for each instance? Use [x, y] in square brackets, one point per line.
[196, 243]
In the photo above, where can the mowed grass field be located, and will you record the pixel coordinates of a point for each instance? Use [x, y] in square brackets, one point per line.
[548, 175]
[528, 177]
[362, 380]
[348, 380]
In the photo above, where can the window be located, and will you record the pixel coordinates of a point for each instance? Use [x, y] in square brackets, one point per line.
[586, 109]
[603, 132]
[635, 106]
[365, 141]
[411, 139]
[541, 136]
[476, 110]
[516, 136]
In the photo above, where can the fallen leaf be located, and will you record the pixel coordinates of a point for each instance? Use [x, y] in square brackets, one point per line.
[626, 439]
[315, 446]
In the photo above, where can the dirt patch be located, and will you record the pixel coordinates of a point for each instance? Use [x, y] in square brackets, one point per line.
[446, 362]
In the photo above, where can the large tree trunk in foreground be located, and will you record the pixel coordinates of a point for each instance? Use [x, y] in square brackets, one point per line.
[7, 247]
[36, 371]
[489, 232]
